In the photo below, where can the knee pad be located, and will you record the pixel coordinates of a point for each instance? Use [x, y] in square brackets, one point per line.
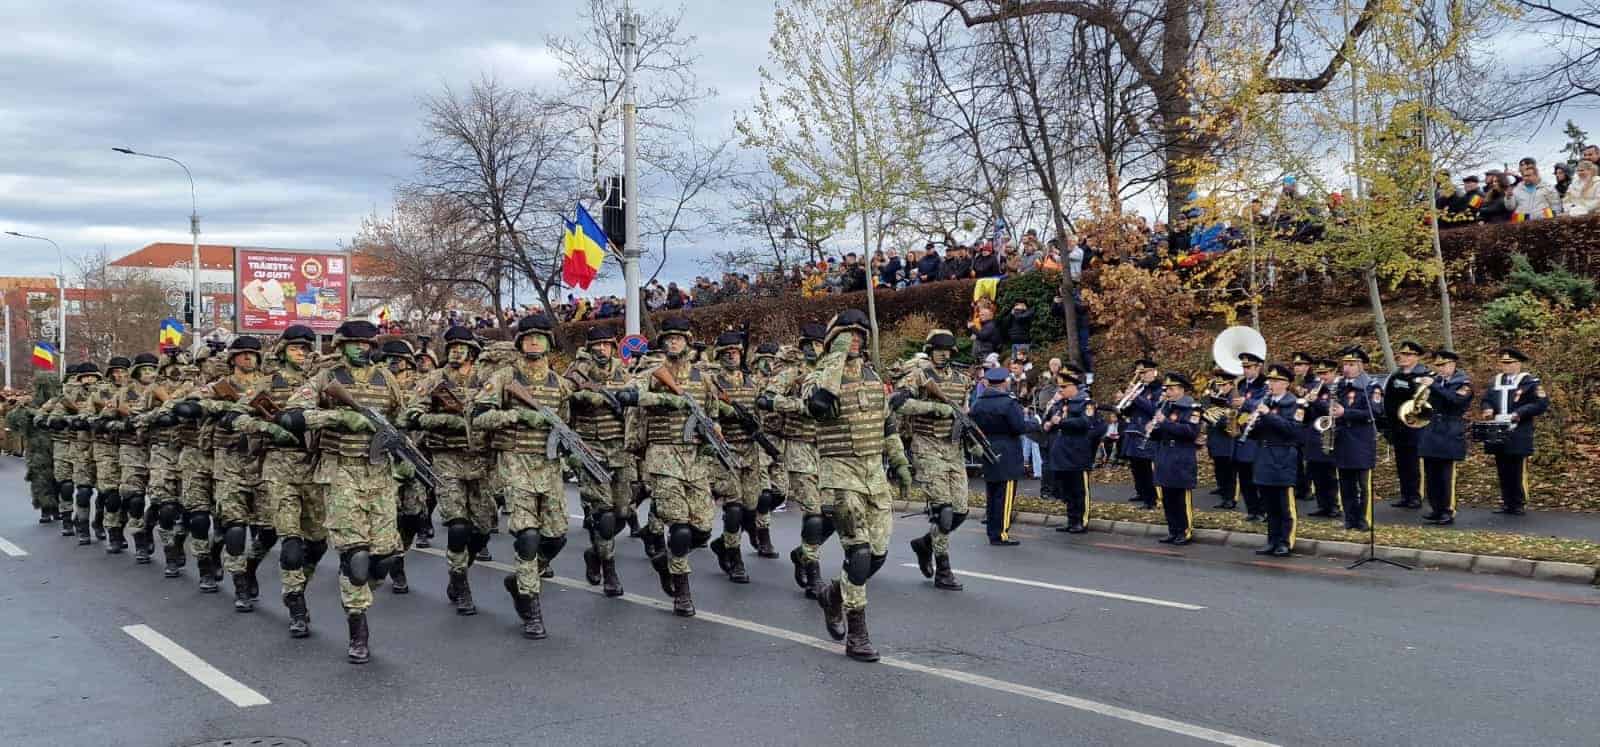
[378, 566]
[732, 517]
[770, 500]
[699, 537]
[527, 544]
[82, 496]
[956, 520]
[858, 563]
[64, 491]
[314, 552]
[266, 537]
[199, 524]
[606, 524]
[749, 522]
[356, 564]
[942, 516]
[680, 538]
[458, 534]
[476, 541]
[233, 540]
[550, 547]
[293, 554]
[877, 563]
[133, 503]
[168, 514]
[813, 530]
[111, 501]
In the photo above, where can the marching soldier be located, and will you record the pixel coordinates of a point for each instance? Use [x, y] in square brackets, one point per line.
[236, 468]
[53, 416]
[1320, 465]
[106, 447]
[939, 461]
[1400, 387]
[1220, 441]
[84, 464]
[1248, 392]
[856, 432]
[1443, 441]
[800, 461]
[1174, 438]
[534, 489]
[1516, 397]
[1277, 427]
[599, 420]
[1137, 406]
[361, 495]
[163, 504]
[1355, 447]
[195, 461]
[764, 366]
[742, 491]
[1074, 435]
[38, 446]
[400, 358]
[134, 453]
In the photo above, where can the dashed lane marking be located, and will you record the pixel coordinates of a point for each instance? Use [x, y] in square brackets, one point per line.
[7, 547]
[196, 667]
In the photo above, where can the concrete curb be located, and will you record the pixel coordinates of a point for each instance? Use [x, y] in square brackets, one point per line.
[1546, 570]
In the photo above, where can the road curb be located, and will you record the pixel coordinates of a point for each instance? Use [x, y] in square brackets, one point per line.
[1546, 570]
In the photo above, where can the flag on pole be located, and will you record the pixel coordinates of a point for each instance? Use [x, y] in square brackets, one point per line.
[44, 356]
[171, 333]
[583, 248]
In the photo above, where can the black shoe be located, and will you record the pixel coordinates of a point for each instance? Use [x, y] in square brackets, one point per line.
[1320, 513]
[1266, 550]
[1181, 541]
[923, 547]
[1065, 527]
[1076, 529]
[1167, 540]
[1359, 526]
[1280, 550]
[1431, 516]
[1403, 503]
[1005, 542]
[1444, 520]
[1506, 510]
[1229, 505]
[1136, 499]
[1254, 517]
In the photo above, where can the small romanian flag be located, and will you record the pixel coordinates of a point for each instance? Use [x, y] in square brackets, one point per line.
[583, 250]
[1545, 213]
[171, 333]
[44, 356]
[1476, 202]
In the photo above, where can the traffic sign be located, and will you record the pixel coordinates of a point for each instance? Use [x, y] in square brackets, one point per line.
[633, 346]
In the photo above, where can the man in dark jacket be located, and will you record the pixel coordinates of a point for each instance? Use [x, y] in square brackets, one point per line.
[1073, 436]
[956, 264]
[1001, 417]
[1279, 420]
[1320, 466]
[930, 267]
[987, 263]
[1018, 327]
[1443, 441]
[1173, 435]
[1516, 397]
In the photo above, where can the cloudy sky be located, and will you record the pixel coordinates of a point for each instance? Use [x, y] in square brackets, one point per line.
[297, 120]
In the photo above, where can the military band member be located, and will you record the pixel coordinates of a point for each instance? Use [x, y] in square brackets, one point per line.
[1443, 441]
[599, 419]
[800, 461]
[743, 492]
[1355, 447]
[1073, 436]
[938, 457]
[1220, 439]
[1517, 397]
[1248, 392]
[1320, 465]
[1141, 398]
[1303, 380]
[1397, 390]
[1174, 438]
[1277, 428]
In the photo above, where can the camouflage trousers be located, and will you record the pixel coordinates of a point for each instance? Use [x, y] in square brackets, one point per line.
[675, 501]
[42, 486]
[464, 496]
[616, 495]
[240, 500]
[537, 499]
[863, 513]
[742, 486]
[83, 476]
[300, 509]
[107, 479]
[61, 460]
[362, 506]
[939, 477]
[800, 469]
[165, 486]
[135, 462]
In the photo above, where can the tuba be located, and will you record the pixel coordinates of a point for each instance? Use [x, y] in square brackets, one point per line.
[1231, 342]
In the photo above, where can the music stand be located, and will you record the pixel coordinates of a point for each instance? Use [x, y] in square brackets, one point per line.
[1372, 545]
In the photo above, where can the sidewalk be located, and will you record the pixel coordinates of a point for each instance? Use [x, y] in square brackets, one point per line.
[1566, 525]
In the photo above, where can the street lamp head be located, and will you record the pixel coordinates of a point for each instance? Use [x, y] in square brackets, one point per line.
[125, 151]
[13, 233]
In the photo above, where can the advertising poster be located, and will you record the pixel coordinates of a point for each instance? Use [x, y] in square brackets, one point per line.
[275, 288]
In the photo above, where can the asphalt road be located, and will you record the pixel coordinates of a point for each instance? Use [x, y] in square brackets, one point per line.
[1203, 644]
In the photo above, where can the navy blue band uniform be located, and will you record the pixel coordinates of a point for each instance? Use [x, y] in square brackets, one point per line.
[1515, 400]
[1175, 442]
[1278, 434]
[1399, 388]
[1442, 443]
[1135, 418]
[1244, 452]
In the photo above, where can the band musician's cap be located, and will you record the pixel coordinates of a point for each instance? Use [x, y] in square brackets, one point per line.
[1513, 355]
[1067, 377]
[1324, 365]
[1412, 347]
[996, 375]
[1177, 379]
[1221, 375]
[1299, 357]
[1144, 363]
[1279, 372]
[1442, 356]
[1251, 359]
[1354, 354]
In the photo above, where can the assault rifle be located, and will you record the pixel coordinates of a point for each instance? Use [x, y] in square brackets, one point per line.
[699, 426]
[561, 437]
[966, 431]
[386, 439]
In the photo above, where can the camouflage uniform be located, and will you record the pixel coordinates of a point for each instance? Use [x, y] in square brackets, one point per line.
[742, 491]
[937, 458]
[54, 415]
[532, 482]
[106, 446]
[855, 435]
[38, 446]
[236, 470]
[361, 495]
[799, 435]
[458, 459]
[134, 452]
[82, 450]
[164, 487]
[606, 507]
[196, 436]
[412, 502]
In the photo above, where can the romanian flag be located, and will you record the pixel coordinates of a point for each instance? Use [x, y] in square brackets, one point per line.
[44, 356]
[583, 249]
[171, 333]
[1545, 213]
[1476, 202]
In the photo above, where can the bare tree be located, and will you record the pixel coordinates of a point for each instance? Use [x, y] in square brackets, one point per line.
[121, 310]
[1570, 32]
[427, 252]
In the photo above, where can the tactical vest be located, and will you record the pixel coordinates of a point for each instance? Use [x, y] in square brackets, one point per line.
[597, 423]
[954, 389]
[797, 426]
[520, 438]
[456, 441]
[858, 431]
[740, 389]
[373, 394]
[667, 427]
[227, 439]
[107, 395]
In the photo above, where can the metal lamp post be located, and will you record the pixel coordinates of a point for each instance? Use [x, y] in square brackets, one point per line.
[61, 288]
[194, 233]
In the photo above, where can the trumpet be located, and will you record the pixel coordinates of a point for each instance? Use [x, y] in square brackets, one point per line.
[1325, 426]
[1135, 388]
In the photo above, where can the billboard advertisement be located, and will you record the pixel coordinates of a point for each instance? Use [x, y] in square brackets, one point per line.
[275, 288]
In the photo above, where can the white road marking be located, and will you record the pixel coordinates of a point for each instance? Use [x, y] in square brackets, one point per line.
[989, 683]
[195, 667]
[1077, 590]
[575, 516]
[8, 548]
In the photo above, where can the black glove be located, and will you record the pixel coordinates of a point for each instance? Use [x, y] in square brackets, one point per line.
[227, 420]
[166, 420]
[188, 410]
[628, 397]
[764, 402]
[58, 423]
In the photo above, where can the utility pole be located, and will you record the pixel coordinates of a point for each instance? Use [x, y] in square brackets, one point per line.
[194, 233]
[630, 171]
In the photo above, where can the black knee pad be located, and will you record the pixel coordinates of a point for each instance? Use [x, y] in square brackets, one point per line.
[812, 529]
[64, 491]
[680, 539]
[858, 563]
[955, 523]
[378, 566]
[84, 492]
[457, 535]
[293, 554]
[942, 516]
[527, 544]
[829, 526]
[877, 563]
[168, 514]
[356, 563]
[699, 537]
[233, 540]
[314, 552]
[476, 541]
[550, 547]
[199, 523]
[606, 524]
[133, 503]
[732, 517]
[265, 538]
[770, 500]
[111, 501]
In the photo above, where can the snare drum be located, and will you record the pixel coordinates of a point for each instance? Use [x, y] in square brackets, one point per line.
[1492, 432]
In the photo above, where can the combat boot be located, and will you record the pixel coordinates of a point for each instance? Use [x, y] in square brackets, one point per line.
[722, 551]
[116, 540]
[591, 567]
[358, 652]
[99, 524]
[397, 576]
[682, 601]
[831, 600]
[736, 571]
[923, 547]
[46, 516]
[483, 555]
[633, 524]
[82, 527]
[659, 563]
[143, 547]
[764, 546]
[608, 573]
[545, 569]
[208, 576]
[819, 585]
[175, 560]
[857, 645]
[215, 553]
[463, 597]
[945, 578]
[527, 606]
[67, 528]
[251, 565]
[802, 570]
[299, 616]
[241, 593]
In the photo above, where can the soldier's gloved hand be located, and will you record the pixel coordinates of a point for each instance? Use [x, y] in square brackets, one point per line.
[279, 435]
[533, 419]
[627, 397]
[352, 422]
[942, 410]
[166, 420]
[402, 470]
[902, 476]
[674, 402]
[442, 422]
[230, 422]
[764, 402]
[494, 420]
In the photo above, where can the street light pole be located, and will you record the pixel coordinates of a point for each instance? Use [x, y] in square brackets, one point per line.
[194, 233]
[632, 309]
[61, 290]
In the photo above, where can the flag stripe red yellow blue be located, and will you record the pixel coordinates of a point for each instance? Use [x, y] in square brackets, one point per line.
[583, 249]
[171, 333]
[44, 356]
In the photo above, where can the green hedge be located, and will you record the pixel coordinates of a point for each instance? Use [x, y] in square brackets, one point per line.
[1573, 243]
